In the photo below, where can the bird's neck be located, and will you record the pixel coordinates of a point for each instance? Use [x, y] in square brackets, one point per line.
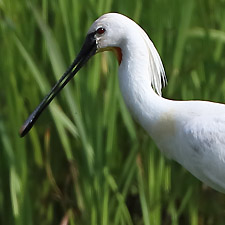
[135, 83]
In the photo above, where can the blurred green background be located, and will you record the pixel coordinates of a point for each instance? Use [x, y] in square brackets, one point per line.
[86, 161]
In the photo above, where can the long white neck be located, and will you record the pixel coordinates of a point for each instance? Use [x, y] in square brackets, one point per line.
[135, 81]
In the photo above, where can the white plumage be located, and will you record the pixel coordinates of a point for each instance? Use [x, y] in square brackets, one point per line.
[190, 132]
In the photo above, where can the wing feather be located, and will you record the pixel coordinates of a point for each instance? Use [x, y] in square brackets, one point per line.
[205, 137]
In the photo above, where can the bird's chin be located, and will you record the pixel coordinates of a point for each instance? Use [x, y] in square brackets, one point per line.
[116, 50]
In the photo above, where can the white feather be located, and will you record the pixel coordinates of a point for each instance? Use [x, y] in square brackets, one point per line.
[190, 132]
[156, 69]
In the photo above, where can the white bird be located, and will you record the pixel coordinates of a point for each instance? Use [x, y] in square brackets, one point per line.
[190, 132]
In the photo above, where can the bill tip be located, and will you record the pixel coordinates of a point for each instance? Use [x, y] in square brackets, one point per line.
[22, 131]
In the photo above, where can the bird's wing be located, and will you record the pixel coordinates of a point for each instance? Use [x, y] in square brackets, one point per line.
[205, 138]
[207, 133]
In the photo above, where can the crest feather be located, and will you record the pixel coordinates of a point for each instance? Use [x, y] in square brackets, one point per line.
[156, 69]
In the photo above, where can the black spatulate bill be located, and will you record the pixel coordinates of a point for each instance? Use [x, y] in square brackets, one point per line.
[88, 49]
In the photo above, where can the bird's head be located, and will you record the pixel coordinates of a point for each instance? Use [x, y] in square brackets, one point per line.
[108, 30]
[108, 33]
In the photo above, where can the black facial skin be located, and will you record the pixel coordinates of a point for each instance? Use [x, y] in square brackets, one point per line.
[88, 49]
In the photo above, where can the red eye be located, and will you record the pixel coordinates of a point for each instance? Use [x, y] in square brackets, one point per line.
[100, 30]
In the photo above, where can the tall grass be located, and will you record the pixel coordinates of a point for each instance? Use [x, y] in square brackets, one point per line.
[86, 161]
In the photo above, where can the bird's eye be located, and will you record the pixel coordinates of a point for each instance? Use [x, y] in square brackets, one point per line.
[100, 30]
